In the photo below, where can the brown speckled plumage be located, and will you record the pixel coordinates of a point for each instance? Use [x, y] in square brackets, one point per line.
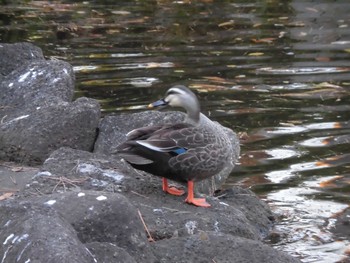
[188, 151]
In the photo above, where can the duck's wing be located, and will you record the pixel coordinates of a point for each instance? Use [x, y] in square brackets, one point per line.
[140, 143]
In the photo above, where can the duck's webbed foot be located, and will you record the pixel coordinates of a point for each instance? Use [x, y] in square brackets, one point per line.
[195, 201]
[171, 190]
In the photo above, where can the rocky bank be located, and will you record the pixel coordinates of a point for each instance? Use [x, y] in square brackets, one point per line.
[70, 199]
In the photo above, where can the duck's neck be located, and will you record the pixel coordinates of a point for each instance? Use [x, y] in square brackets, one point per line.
[193, 116]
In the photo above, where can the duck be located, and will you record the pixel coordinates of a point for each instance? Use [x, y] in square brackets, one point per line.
[187, 152]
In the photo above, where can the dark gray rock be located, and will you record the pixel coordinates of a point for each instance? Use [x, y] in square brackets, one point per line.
[113, 130]
[37, 233]
[13, 56]
[105, 218]
[32, 136]
[109, 253]
[257, 212]
[236, 212]
[35, 82]
[36, 113]
[234, 225]
[217, 247]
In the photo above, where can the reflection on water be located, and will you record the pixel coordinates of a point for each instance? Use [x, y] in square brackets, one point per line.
[278, 72]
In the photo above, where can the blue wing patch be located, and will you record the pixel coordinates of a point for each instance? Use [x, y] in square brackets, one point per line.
[179, 151]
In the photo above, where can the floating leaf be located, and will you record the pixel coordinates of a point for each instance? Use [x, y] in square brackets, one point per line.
[227, 23]
[323, 59]
[312, 9]
[327, 85]
[264, 40]
[240, 76]
[323, 94]
[296, 24]
[256, 54]
[330, 182]
[207, 87]
[120, 12]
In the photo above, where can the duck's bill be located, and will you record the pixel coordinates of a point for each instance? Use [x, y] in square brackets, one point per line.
[158, 103]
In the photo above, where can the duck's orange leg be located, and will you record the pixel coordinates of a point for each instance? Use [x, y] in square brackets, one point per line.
[171, 190]
[196, 201]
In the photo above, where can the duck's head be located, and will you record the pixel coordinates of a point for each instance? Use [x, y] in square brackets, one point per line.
[180, 96]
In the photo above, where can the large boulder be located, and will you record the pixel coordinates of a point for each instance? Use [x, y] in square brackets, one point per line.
[103, 218]
[37, 113]
[35, 133]
[106, 203]
[218, 247]
[37, 233]
[16, 55]
[113, 130]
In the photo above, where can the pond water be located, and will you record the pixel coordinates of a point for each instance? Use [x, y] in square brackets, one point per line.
[277, 72]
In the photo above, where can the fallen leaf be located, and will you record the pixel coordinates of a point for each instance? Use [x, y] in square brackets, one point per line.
[17, 169]
[5, 196]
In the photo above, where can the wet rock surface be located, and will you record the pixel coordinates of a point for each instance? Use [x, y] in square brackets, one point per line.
[84, 204]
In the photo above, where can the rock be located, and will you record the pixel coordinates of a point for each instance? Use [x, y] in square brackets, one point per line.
[257, 212]
[14, 177]
[237, 212]
[217, 247]
[17, 55]
[37, 115]
[94, 171]
[36, 82]
[31, 137]
[104, 218]
[108, 252]
[237, 218]
[113, 130]
[37, 233]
